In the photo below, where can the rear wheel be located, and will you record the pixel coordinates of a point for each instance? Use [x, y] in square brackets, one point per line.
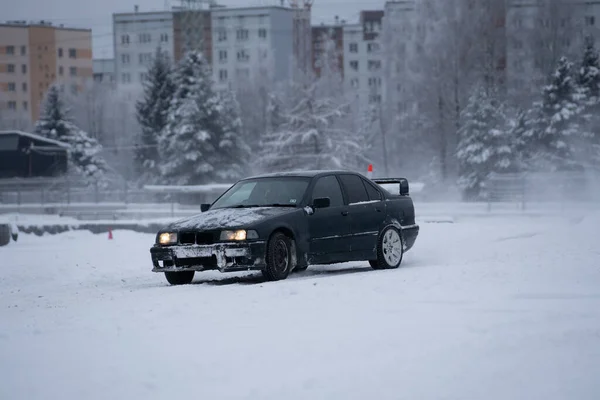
[179, 278]
[390, 249]
[279, 257]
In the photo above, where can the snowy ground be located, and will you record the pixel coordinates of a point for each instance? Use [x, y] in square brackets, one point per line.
[488, 308]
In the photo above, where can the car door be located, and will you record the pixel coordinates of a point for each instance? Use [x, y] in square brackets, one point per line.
[329, 227]
[366, 212]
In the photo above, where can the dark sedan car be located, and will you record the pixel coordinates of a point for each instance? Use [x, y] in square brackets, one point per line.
[284, 222]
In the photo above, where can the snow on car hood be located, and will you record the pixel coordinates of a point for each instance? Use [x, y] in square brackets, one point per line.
[229, 218]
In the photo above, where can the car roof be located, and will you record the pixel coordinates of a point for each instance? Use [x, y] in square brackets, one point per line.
[303, 174]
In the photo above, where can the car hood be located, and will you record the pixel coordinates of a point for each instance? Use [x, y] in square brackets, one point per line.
[227, 218]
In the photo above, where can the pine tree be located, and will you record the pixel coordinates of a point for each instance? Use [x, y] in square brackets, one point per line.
[484, 145]
[589, 82]
[589, 72]
[84, 153]
[54, 122]
[234, 152]
[199, 140]
[555, 123]
[151, 113]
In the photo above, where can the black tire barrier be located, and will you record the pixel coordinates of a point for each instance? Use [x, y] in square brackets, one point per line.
[4, 234]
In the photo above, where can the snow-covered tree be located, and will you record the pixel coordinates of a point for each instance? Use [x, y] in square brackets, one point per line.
[556, 118]
[234, 153]
[484, 146]
[84, 154]
[197, 141]
[54, 122]
[589, 72]
[151, 113]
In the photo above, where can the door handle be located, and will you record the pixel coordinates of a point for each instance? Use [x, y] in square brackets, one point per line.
[344, 213]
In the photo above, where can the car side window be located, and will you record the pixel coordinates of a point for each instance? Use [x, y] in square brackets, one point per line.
[373, 193]
[355, 188]
[328, 186]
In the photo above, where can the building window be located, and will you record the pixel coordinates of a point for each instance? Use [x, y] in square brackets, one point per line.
[262, 19]
[24, 86]
[144, 38]
[374, 65]
[125, 59]
[25, 106]
[60, 52]
[375, 99]
[61, 70]
[242, 34]
[126, 78]
[12, 105]
[12, 87]
[74, 89]
[221, 21]
[354, 82]
[372, 47]
[223, 75]
[374, 82]
[222, 36]
[11, 68]
[145, 58]
[353, 47]
[124, 39]
[354, 65]
[72, 53]
[24, 68]
[242, 55]
[590, 20]
[262, 33]
[223, 55]
[23, 50]
[10, 50]
[73, 71]
[164, 37]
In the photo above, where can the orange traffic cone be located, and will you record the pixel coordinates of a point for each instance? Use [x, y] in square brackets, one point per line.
[110, 236]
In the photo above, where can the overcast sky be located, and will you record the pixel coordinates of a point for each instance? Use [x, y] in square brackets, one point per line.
[97, 14]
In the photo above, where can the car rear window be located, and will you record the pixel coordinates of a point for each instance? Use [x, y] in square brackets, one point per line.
[355, 188]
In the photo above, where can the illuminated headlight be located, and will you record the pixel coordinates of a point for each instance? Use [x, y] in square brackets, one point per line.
[167, 238]
[238, 235]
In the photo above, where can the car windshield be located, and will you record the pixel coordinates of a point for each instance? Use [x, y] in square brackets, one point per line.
[263, 192]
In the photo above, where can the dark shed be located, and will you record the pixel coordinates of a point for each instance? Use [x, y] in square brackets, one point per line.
[25, 155]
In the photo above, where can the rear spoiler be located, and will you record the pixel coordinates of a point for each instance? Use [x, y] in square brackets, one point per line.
[403, 188]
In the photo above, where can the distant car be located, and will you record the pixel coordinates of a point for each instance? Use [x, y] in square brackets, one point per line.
[284, 222]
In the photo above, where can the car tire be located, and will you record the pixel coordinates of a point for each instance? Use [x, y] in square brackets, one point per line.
[4, 234]
[390, 249]
[279, 257]
[179, 278]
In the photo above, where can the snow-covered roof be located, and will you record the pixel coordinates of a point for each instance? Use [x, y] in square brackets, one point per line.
[36, 137]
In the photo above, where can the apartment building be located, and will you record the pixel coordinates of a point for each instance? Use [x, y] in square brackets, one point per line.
[321, 34]
[538, 35]
[250, 42]
[104, 70]
[33, 56]
[136, 37]
[363, 58]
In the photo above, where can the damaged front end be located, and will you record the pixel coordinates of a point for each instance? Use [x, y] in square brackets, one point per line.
[225, 257]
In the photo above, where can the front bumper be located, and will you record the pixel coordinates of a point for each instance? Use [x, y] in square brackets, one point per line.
[225, 257]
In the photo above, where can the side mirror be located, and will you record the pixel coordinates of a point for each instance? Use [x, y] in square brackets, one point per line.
[204, 207]
[404, 187]
[321, 202]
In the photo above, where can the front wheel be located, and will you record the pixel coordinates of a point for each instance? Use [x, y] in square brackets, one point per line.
[390, 249]
[179, 278]
[279, 257]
